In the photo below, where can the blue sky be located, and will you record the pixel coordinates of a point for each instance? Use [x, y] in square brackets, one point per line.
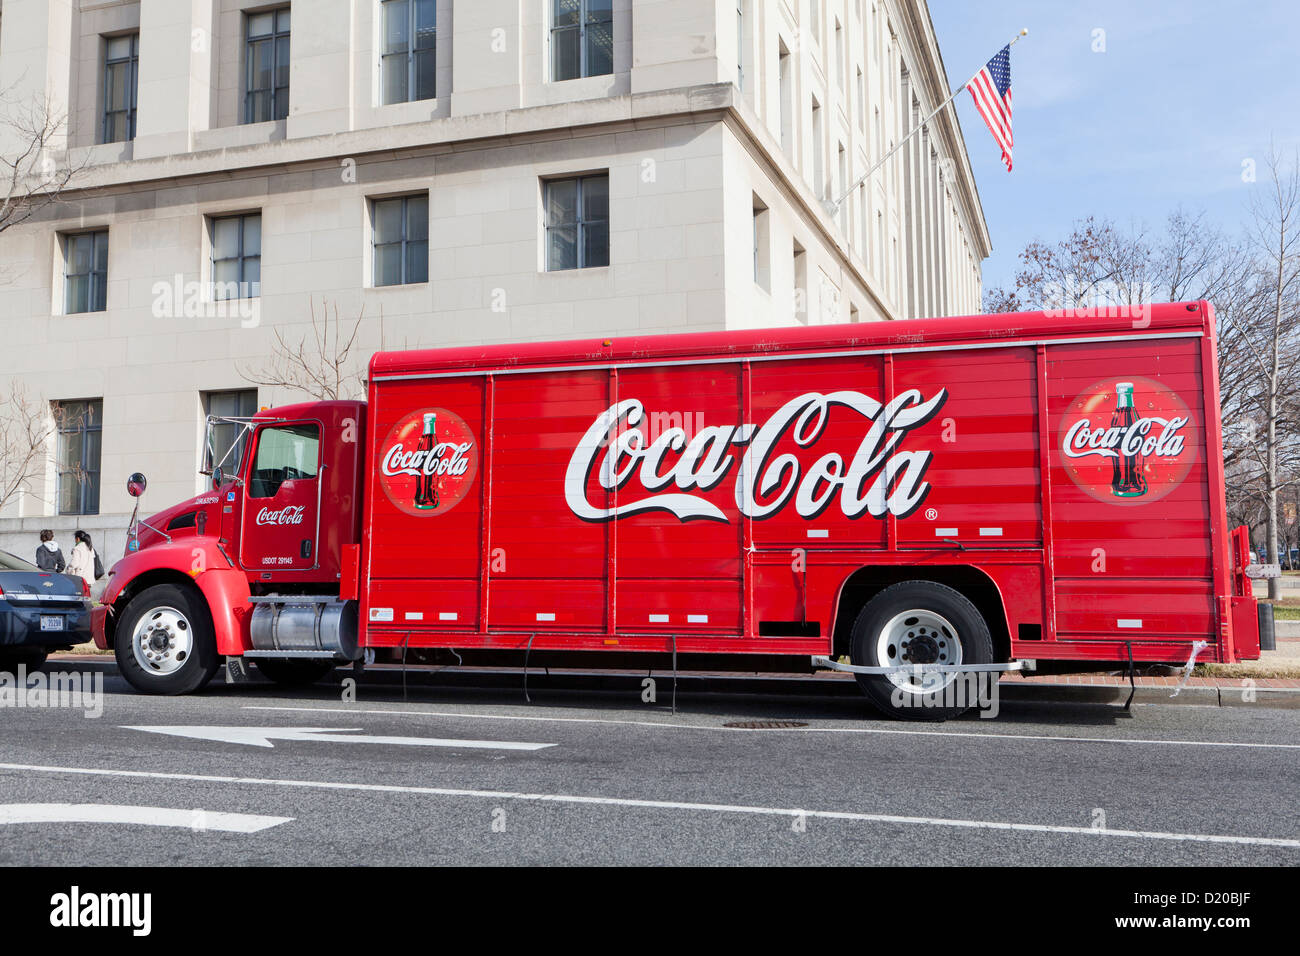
[1184, 92]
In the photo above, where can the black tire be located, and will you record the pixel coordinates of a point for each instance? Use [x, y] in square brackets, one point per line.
[31, 658]
[972, 633]
[198, 664]
[294, 673]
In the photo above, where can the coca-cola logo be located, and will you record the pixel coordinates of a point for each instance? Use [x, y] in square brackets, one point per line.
[428, 462]
[877, 479]
[291, 514]
[1128, 441]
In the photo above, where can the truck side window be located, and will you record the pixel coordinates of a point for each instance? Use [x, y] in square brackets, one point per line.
[284, 453]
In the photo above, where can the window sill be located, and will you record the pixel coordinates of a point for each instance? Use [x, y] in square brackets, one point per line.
[397, 285]
[242, 134]
[585, 270]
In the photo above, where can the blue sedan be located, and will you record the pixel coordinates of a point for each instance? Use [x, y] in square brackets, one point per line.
[40, 612]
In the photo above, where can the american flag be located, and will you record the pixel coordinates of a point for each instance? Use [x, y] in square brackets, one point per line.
[991, 90]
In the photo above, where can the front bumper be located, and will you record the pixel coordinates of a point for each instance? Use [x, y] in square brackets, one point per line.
[20, 626]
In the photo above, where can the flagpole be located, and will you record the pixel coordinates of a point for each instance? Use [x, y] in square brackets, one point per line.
[834, 207]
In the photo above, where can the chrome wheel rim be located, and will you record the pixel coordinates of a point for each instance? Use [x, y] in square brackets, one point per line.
[162, 641]
[918, 636]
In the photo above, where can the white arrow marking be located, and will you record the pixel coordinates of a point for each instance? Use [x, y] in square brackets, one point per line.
[262, 737]
[140, 816]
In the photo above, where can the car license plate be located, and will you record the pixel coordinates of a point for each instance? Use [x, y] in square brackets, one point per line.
[51, 622]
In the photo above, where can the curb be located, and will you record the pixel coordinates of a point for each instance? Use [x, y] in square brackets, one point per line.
[1228, 694]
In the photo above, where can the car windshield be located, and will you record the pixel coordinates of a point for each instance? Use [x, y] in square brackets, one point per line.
[11, 562]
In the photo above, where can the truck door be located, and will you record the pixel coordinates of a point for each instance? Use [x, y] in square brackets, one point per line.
[281, 514]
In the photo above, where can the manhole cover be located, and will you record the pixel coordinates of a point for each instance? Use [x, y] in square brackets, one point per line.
[765, 724]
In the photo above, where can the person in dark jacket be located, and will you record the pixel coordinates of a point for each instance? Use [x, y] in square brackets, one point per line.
[48, 555]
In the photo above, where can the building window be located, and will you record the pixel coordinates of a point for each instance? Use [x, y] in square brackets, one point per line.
[740, 44]
[85, 275]
[862, 102]
[121, 76]
[762, 246]
[799, 297]
[582, 39]
[230, 438]
[237, 256]
[787, 96]
[266, 80]
[401, 239]
[409, 59]
[80, 428]
[841, 63]
[818, 172]
[577, 222]
[840, 187]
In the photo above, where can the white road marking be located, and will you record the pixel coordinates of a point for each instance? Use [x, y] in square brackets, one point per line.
[262, 737]
[195, 819]
[578, 800]
[790, 730]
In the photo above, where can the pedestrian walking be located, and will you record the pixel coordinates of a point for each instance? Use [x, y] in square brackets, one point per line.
[48, 555]
[84, 562]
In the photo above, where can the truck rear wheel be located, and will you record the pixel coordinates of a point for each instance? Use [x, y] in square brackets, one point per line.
[294, 673]
[920, 622]
[164, 643]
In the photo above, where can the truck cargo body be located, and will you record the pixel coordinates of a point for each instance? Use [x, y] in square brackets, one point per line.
[742, 492]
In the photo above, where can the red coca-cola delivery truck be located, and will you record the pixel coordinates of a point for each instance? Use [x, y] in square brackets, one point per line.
[908, 500]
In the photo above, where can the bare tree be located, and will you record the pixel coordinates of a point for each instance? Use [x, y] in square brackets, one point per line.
[25, 430]
[320, 363]
[1255, 288]
[36, 170]
[1096, 264]
[1269, 330]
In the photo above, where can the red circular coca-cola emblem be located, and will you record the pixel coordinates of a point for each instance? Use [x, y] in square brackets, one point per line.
[1128, 441]
[428, 462]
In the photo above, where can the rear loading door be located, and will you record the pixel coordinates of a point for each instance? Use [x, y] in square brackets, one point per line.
[1130, 506]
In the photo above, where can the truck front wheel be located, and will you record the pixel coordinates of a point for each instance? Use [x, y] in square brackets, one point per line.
[922, 622]
[164, 643]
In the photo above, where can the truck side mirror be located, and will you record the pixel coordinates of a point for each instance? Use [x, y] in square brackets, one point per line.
[218, 477]
[136, 484]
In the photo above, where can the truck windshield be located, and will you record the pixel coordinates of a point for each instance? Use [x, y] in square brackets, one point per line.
[284, 453]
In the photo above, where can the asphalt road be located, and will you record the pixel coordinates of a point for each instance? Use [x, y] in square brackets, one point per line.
[622, 781]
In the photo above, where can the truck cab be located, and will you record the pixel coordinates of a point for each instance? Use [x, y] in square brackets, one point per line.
[252, 567]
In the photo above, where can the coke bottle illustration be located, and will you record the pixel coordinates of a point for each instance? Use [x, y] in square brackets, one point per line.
[426, 492]
[1127, 480]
